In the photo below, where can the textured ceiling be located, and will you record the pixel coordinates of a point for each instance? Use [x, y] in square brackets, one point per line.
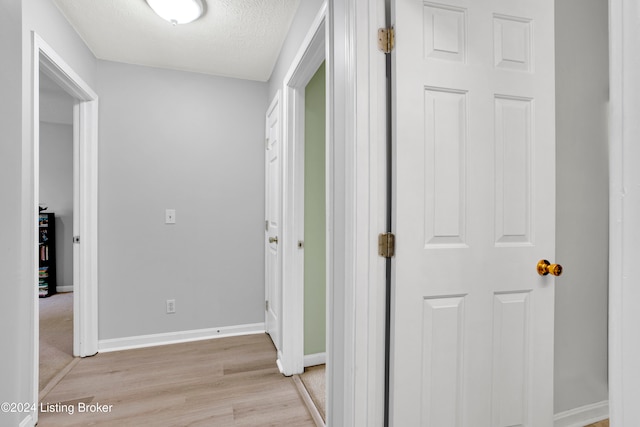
[234, 38]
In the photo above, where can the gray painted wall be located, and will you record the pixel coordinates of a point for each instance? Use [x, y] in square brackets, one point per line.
[582, 203]
[17, 19]
[15, 357]
[56, 106]
[306, 13]
[193, 143]
[56, 191]
[44, 17]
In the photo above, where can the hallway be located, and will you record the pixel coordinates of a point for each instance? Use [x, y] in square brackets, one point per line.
[222, 382]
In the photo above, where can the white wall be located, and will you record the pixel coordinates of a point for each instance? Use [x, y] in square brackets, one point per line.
[193, 143]
[306, 13]
[582, 203]
[56, 192]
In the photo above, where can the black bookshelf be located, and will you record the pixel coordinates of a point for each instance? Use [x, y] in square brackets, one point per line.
[47, 255]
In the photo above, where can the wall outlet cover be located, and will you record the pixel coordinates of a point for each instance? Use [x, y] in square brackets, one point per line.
[171, 306]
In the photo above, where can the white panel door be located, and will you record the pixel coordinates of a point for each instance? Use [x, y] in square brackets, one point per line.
[472, 328]
[273, 282]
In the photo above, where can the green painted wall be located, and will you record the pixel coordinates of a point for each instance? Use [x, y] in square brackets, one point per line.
[314, 215]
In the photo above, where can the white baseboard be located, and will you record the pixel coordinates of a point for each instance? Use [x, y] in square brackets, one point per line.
[153, 340]
[64, 288]
[585, 415]
[27, 422]
[315, 359]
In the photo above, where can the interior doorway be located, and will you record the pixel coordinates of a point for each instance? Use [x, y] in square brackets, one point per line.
[310, 56]
[55, 270]
[296, 200]
[85, 201]
[314, 244]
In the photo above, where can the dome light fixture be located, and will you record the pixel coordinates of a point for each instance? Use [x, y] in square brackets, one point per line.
[177, 11]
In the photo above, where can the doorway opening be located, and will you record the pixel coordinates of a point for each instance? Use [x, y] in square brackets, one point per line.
[85, 200]
[308, 60]
[313, 244]
[296, 225]
[55, 269]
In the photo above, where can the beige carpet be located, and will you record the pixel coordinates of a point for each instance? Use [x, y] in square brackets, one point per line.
[56, 335]
[314, 380]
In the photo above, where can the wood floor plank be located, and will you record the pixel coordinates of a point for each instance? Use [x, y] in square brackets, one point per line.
[223, 382]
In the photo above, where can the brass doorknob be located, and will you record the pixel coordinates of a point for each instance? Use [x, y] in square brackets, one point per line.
[273, 240]
[544, 267]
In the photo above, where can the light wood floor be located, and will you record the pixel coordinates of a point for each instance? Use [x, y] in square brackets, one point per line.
[604, 423]
[222, 382]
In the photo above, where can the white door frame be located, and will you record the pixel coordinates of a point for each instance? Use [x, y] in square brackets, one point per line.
[356, 209]
[85, 165]
[624, 229]
[304, 66]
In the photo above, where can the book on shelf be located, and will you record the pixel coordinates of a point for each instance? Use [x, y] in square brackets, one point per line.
[43, 272]
[44, 253]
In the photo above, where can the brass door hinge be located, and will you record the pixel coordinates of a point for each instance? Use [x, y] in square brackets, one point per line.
[386, 245]
[386, 39]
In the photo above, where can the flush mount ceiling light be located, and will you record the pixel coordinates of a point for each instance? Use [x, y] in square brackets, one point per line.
[177, 11]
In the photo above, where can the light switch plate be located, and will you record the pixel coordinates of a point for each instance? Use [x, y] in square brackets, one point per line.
[170, 216]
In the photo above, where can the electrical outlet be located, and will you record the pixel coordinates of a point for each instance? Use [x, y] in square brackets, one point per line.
[171, 306]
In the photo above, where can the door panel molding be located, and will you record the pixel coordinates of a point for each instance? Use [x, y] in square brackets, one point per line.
[474, 189]
[273, 222]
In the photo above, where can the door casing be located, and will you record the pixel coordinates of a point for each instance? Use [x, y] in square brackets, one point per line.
[85, 148]
[311, 54]
[624, 211]
[356, 212]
